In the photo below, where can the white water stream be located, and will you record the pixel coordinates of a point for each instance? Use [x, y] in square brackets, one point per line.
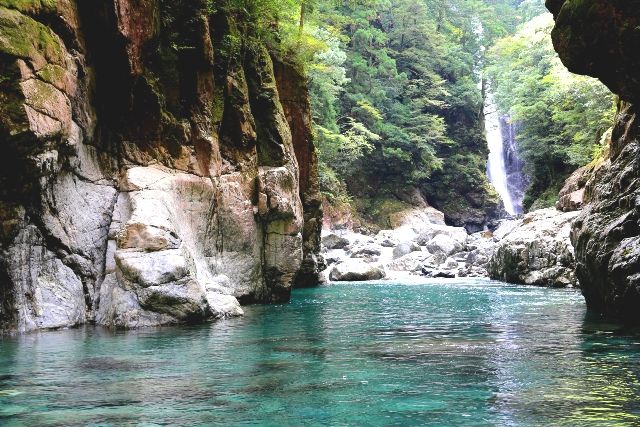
[496, 166]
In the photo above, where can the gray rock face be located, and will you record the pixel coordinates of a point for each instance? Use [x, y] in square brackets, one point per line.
[537, 251]
[147, 202]
[600, 38]
[606, 234]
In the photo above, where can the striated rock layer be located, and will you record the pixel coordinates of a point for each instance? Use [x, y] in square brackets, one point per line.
[601, 38]
[155, 168]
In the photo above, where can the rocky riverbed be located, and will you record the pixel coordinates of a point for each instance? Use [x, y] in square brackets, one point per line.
[534, 249]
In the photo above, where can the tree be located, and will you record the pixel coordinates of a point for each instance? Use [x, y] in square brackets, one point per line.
[560, 116]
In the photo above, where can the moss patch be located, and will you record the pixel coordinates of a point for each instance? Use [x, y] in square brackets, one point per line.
[379, 211]
[13, 118]
[30, 7]
[23, 37]
[54, 74]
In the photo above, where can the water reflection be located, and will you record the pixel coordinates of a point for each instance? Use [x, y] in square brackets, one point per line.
[444, 353]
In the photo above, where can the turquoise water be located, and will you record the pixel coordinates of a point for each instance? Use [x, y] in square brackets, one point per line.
[442, 353]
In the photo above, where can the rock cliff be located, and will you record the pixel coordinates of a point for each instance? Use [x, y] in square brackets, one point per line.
[157, 165]
[601, 38]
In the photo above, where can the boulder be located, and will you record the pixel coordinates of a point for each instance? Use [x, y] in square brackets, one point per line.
[356, 271]
[388, 243]
[417, 219]
[537, 251]
[387, 238]
[458, 234]
[412, 262]
[366, 251]
[444, 244]
[439, 274]
[405, 248]
[333, 241]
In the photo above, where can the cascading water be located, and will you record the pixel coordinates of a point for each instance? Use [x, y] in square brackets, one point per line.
[504, 168]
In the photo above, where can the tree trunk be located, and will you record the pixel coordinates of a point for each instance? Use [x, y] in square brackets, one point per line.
[303, 11]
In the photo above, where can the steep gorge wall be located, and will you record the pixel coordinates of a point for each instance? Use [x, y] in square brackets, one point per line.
[155, 169]
[600, 38]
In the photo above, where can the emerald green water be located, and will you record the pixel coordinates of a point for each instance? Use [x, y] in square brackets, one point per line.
[440, 353]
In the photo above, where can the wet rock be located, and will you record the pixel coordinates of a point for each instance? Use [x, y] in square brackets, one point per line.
[439, 274]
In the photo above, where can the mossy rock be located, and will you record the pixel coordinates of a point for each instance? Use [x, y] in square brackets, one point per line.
[13, 117]
[379, 211]
[30, 7]
[23, 37]
[54, 74]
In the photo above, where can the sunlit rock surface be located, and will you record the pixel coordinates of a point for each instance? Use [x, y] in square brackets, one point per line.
[143, 184]
[533, 250]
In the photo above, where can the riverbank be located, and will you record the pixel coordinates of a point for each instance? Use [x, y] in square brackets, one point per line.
[534, 249]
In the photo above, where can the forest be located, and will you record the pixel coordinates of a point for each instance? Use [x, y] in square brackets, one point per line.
[397, 92]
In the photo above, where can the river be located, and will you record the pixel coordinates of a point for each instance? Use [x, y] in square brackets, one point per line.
[444, 353]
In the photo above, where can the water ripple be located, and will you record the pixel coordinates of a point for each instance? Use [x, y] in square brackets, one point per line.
[431, 353]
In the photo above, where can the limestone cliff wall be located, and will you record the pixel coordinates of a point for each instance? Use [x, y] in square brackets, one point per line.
[601, 38]
[155, 167]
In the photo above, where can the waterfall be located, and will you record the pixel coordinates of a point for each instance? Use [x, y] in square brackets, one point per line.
[504, 167]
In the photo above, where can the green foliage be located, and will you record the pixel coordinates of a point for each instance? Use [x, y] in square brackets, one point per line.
[396, 98]
[395, 94]
[561, 117]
